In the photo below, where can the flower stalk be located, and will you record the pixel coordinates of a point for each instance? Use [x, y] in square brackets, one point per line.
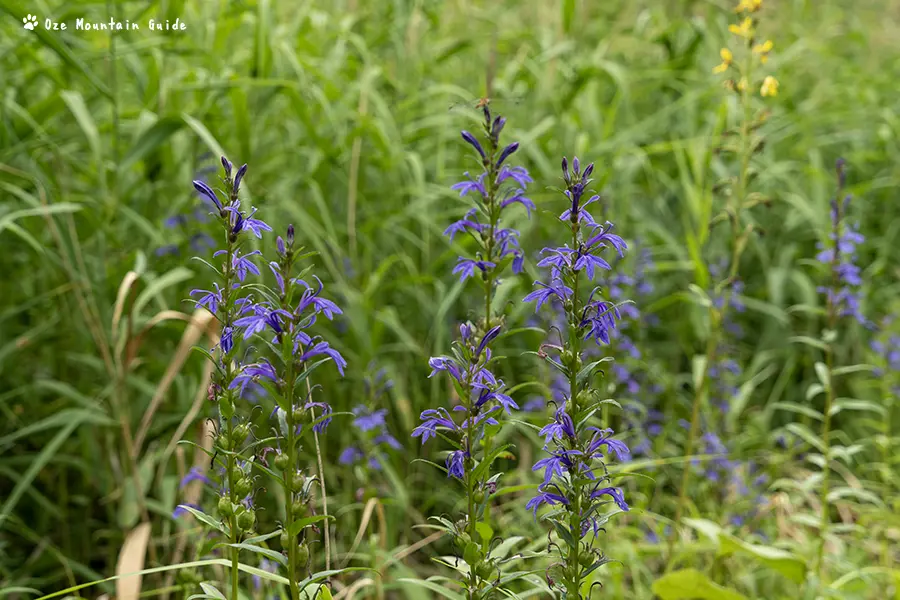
[576, 477]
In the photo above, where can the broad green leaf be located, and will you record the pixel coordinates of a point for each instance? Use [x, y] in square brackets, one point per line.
[691, 584]
[789, 565]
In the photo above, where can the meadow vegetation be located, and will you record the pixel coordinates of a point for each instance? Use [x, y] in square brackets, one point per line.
[247, 382]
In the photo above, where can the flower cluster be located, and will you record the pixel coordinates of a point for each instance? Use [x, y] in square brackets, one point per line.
[481, 394]
[184, 224]
[840, 256]
[482, 402]
[745, 31]
[576, 481]
[498, 187]
[281, 317]
[371, 427]
[886, 346]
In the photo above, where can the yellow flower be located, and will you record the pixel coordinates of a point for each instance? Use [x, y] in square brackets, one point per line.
[748, 6]
[727, 57]
[742, 84]
[745, 29]
[763, 50]
[769, 87]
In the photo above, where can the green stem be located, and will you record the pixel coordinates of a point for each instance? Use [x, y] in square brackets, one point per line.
[832, 312]
[231, 461]
[289, 473]
[737, 202]
[573, 559]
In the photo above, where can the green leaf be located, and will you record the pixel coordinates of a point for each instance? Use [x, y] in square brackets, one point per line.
[75, 102]
[809, 341]
[804, 433]
[434, 587]
[485, 531]
[297, 526]
[691, 584]
[588, 370]
[211, 591]
[221, 562]
[173, 277]
[48, 452]
[205, 518]
[268, 553]
[54, 42]
[152, 138]
[854, 404]
[61, 207]
[799, 409]
[211, 142]
[823, 375]
[699, 368]
[776, 559]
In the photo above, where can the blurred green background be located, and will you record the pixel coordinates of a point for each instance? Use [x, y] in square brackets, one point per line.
[348, 113]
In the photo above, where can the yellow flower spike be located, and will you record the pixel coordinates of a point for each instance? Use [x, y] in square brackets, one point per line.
[769, 87]
[727, 58]
[744, 30]
[763, 50]
[748, 6]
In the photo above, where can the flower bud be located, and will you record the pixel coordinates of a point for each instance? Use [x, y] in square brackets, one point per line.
[224, 440]
[226, 164]
[237, 180]
[290, 234]
[285, 540]
[297, 482]
[224, 506]
[282, 462]
[247, 519]
[243, 487]
[299, 415]
[299, 509]
[478, 497]
[497, 127]
[240, 433]
[302, 554]
[485, 570]
[279, 245]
